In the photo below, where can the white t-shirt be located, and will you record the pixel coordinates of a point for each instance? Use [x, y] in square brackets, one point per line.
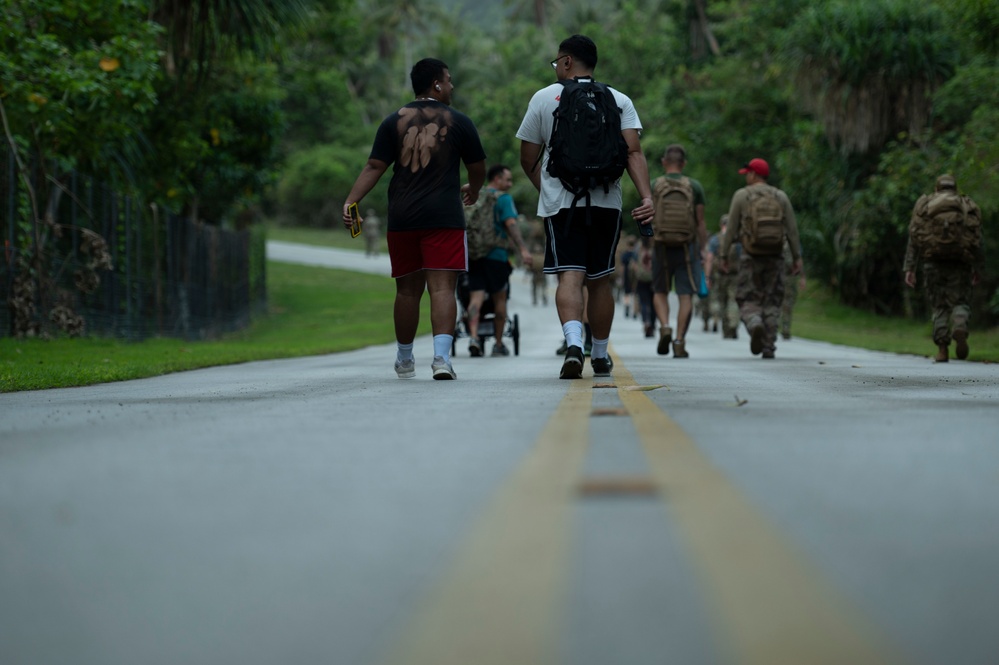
[537, 128]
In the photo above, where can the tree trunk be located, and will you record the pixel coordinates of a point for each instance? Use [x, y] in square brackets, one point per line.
[701, 30]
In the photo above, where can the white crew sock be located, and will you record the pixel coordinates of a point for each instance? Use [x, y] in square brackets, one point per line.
[573, 331]
[405, 352]
[599, 349]
[442, 346]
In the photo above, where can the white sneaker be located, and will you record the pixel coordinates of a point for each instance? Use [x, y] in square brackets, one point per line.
[442, 369]
[406, 369]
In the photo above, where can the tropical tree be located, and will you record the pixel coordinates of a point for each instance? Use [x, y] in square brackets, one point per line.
[868, 70]
[214, 130]
[200, 33]
[76, 80]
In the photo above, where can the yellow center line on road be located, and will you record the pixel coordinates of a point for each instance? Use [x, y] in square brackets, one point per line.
[501, 601]
[771, 607]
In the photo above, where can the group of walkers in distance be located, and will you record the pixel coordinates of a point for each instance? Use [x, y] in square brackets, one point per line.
[578, 138]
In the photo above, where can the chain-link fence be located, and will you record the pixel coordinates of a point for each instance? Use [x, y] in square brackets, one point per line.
[101, 263]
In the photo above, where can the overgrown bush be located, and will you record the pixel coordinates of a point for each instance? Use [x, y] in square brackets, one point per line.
[316, 181]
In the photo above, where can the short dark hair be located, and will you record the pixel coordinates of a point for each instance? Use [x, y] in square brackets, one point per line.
[675, 154]
[425, 72]
[495, 170]
[581, 48]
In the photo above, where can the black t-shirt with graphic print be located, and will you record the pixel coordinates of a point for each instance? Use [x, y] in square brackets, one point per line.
[427, 141]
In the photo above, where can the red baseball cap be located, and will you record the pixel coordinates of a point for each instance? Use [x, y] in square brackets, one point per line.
[757, 166]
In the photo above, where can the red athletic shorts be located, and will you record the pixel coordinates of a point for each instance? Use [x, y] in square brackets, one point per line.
[426, 249]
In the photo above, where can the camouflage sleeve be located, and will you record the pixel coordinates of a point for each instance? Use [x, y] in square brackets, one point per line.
[734, 222]
[791, 226]
[909, 265]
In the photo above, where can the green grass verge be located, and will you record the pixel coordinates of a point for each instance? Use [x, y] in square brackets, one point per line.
[333, 237]
[819, 316]
[312, 311]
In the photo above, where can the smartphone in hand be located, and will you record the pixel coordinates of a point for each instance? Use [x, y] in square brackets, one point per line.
[646, 229]
[355, 220]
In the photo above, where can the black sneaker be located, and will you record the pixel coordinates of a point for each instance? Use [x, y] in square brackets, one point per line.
[602, 366]
[572, 366]
[474, 348]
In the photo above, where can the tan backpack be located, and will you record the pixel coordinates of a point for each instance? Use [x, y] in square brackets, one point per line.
[763, 222]
[674, 224]
[946, 226]
[480, 225]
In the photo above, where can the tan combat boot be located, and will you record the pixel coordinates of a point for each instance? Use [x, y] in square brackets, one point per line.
[942, 353]
[680, 349]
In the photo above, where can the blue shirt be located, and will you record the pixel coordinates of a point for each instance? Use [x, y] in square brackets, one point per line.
[503, 210]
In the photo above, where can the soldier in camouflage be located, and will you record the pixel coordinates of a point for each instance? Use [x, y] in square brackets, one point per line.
[723, 305]
[948, 281]
[760, 283]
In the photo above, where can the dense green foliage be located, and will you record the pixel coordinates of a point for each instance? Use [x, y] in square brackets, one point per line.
[857, 106]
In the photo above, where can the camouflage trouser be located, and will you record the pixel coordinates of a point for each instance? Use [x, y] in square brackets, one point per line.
[759, 292]
[539, 284]
[787, 305]
[723, 305]
[948, 286]
[703, 308]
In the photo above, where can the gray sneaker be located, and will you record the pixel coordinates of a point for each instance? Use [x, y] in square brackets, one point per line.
[406, 369]
[442, 369]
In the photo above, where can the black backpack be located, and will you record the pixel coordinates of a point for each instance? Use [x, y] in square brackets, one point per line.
[586, 149]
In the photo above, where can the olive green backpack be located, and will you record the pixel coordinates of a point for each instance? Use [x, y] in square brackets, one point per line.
[946, 226]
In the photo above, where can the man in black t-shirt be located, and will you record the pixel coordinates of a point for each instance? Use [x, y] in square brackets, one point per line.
[427, 141]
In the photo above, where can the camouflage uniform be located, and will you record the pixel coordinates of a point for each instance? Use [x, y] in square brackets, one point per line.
[948, 283]
[759, 292]
[760, 284]
[790, 294]
[948, 286]
[536, 245]
[723, 284]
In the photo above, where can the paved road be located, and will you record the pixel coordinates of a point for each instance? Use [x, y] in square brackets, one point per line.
[830, 506]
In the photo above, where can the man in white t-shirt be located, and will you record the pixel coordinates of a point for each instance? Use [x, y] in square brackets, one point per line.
[580, 248]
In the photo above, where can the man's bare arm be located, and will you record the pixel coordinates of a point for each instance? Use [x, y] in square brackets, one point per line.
[365, 182]
[476, 177]
[530, 161]
[638, 170]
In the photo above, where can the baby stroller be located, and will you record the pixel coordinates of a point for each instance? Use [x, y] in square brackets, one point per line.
[487, 319]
